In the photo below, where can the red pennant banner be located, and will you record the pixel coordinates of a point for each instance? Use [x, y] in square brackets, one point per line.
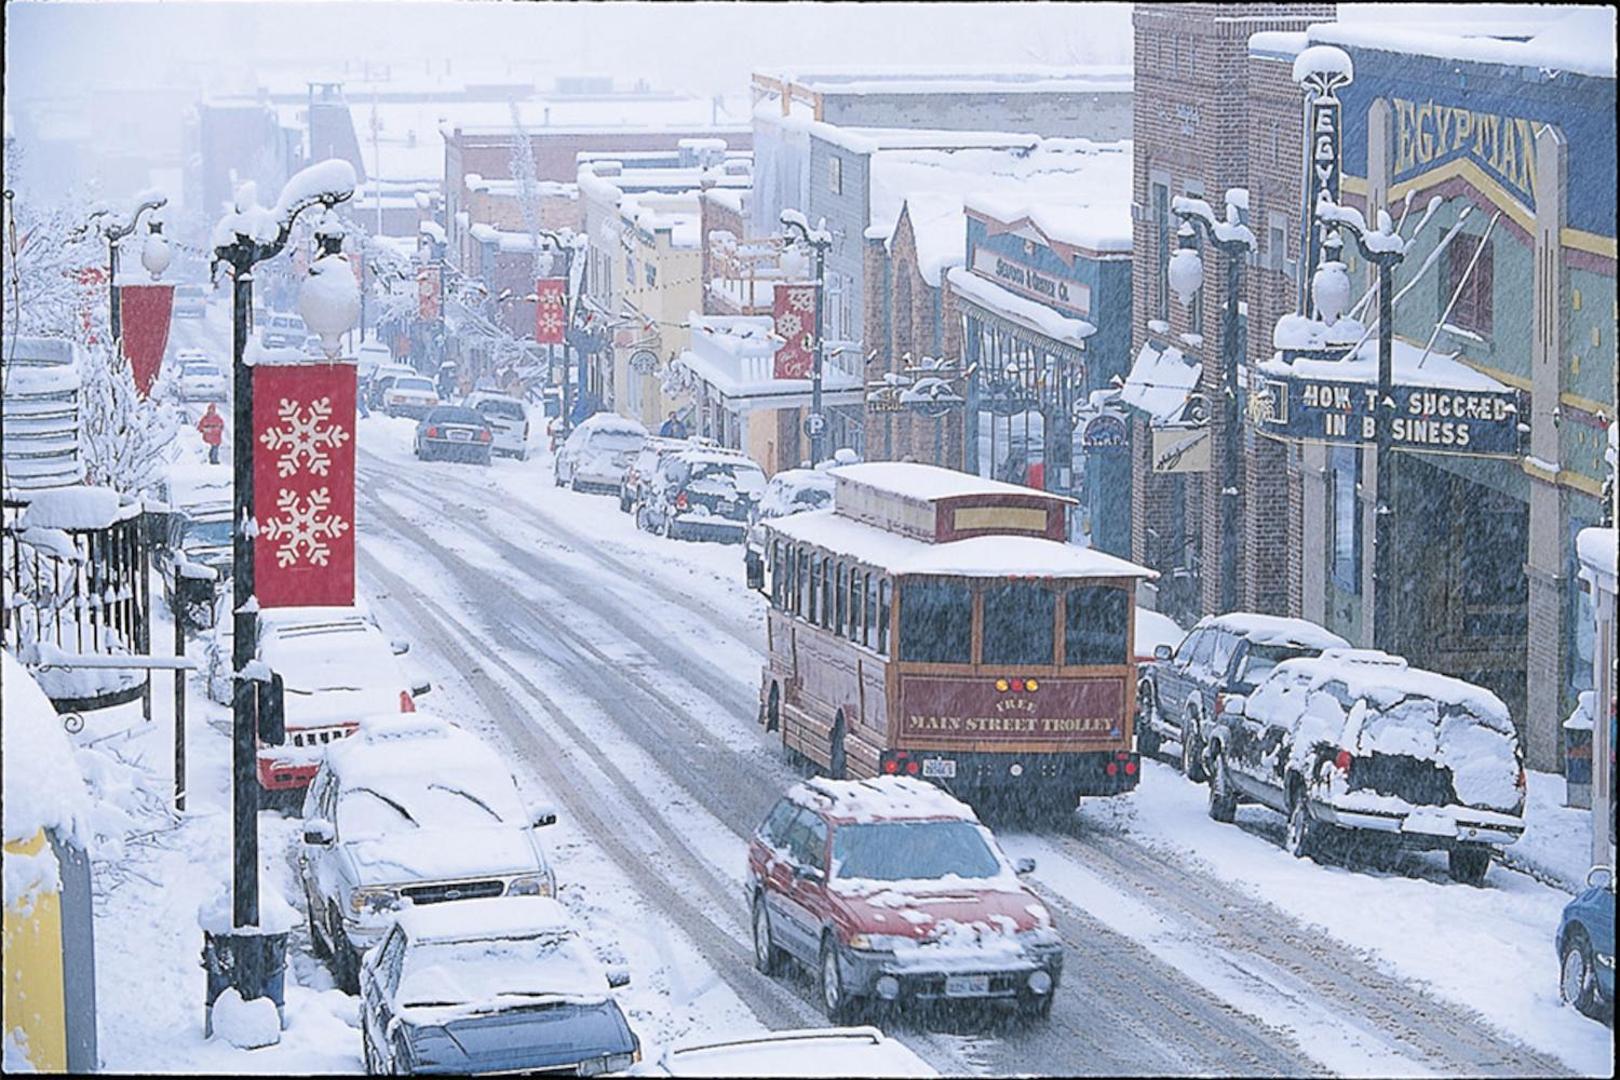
[303, 484]
[794, 312]
[144, 312]
[90, 278]
[550, 314]
[427, 293]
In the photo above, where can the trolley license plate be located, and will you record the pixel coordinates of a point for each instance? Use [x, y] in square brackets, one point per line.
[967, 985]
[944, 768]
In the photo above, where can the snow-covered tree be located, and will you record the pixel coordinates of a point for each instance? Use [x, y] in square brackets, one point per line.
[528, 189]
[43, 260]
[122, 438]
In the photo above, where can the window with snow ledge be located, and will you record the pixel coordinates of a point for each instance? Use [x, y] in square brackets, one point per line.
[1472, 313]
[1344, 471]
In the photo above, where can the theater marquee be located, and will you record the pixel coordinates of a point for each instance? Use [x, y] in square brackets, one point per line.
[1479, 422]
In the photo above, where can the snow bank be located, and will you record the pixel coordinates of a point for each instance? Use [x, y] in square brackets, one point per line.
[43, 786]
[79, 507]
[246, 1025]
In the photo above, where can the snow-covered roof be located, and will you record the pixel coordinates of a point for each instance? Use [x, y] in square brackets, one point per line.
[917, 481]
[1009, 305]
[736, 354]
[1438, 370]
[1025, 79]
[1597, 550]
[77, 507]
[606, 421]
[616, 112]
[1159, 383]
[1274, 630]
[1565, 38]
[680, 215]
[882, 798]
[980, 556]
[43, 785]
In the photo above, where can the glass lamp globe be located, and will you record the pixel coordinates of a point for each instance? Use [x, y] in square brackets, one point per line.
[1186, 273]
[1330, 289]
[155, 253]
[329, 300]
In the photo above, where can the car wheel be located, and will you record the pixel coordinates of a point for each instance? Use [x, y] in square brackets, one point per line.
[668, 527]
[1036, 1007]
[1222, 799]
[1301, 838]
[1577, 981]
[1147, 739]
[573, 485]
[624, 503]
[1192, 750]
[523, 455]
[345, 964]
[642, 521]
[1468, 865]
[767, 957]
[834, 1001]
[317, 944]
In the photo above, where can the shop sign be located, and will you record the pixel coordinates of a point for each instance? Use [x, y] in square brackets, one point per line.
[1479, 422]
[1022, 278]
[1428, 135]
[1105, 433]
[1323, 124]
[1181, 449]
[643, 361]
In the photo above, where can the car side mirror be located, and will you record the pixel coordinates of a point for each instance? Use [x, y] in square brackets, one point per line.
[1233, 705]
[1161, 652]
[1024, 866]
[420, 688]
[542, 816]
[1600, 877]
[400, 646]
[618, 976]
[318, 832]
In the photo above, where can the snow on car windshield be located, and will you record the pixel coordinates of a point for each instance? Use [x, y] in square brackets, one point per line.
[413, 384]
[552, 964]
[714, 478]
[417, 801]
[196, 368]
[615, 441]
[506, 410]
[215, 533]
[912, 850]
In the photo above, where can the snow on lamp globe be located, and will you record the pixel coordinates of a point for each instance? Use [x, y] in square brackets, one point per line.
[1186, 271]
[1330, 288]
[155, 253]
[329, 299]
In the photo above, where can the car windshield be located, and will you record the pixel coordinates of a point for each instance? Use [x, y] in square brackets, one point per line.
[201, 369]
[506, 410]
[287, 322]
[208, 533]
[810, 498]
[188, 290]
[412, 383]
[555, 962]
[448, 800]
[615, 441]
[912, 850]
[1260, 659]
[722, 478]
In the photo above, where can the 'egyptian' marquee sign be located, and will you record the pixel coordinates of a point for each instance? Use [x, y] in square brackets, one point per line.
[303, 484]
[1441, 419]
[1430, 134]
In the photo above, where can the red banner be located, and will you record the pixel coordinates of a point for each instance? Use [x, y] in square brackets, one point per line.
[427, 293]
[144, 312]
[90, 279]
[303, 484]
[794, 311]
[550, 315]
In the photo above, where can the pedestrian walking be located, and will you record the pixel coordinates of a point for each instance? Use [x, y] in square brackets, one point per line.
[672, 428]
[212, 426]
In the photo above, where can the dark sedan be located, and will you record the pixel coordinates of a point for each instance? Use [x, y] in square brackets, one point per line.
[455, 433]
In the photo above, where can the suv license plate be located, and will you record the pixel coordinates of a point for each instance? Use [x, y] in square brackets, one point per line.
[945, 768]
[967, 985]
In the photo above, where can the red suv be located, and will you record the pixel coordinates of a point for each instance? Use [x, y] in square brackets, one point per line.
[894, 891]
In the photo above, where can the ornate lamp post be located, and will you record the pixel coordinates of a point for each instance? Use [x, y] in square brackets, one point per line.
[114, 229]
[565, 246]
[242, 239]
[1186, 273]
[819, 240]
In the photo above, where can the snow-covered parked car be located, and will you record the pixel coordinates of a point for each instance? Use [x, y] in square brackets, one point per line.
[1356, 740]
[200, 378]
[598, 452]
[190, 301]
[491, 986]
[412, 811]
[508, 420]
[1181, 690]
[849, 1051]
[890, 889]
[280, 330]
[638, 477]
[1585, 944]
[702, 493]
[789, 492]
[410, 395]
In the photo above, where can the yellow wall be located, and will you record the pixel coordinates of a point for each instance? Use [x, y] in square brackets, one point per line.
[677, 292]
[34, 998]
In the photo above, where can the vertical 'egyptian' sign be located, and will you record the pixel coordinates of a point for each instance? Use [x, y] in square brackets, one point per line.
[303, 484]
[1321, 71]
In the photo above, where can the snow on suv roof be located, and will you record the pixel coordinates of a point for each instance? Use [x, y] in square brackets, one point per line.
[486, 917]
[883, 798]
[395, 745]
[1384, 680]
[1274, 630]
[610, 422]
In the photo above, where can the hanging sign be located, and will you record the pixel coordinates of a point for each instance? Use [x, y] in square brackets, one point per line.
[550, 313]
[794, 313]
[427, 294]
[144, 312]
[1181, 449]
[1105, 433]
[303, 484]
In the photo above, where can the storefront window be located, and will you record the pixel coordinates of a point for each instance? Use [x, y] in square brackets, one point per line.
[1344, 465]
[1472, 311]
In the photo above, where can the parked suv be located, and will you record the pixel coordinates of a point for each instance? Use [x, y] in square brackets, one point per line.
[1181, 690]
[1356, 741]
[597, 453]
[411, 811]
[891, 889]
[702, 493]
[281, 331]
[790, 491]
[508, 420]
[639, 476]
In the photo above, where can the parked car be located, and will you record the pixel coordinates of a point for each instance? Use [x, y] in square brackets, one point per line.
[410, 812]
[789, 492]
[702, 493]
[597, 453]
[410, 395]
[1357, 741]
[455, 432]
[373, 356]
[217, 649]
[190, 302]
[491, 986]
[1181, 690]
[202, 380]
[508, 420]
[383, 378]
[1585, 945]
[281, 331]
[849, 1051]
[632, 489]
[313, 347]
[892, 890]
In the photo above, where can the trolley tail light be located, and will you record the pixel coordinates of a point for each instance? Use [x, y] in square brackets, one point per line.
[899, 763]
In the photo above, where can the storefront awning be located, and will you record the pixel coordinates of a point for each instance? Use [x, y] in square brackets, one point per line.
[1160, 383]
[1015, 315]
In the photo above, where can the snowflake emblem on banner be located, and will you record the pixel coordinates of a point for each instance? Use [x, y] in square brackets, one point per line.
[789, 326]
[550, 320]
[304, 435]
[305, 525]
[803, 300]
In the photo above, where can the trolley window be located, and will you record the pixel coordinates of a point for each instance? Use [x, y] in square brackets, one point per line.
[1018, 618]
[936, 622]
[1097, 620]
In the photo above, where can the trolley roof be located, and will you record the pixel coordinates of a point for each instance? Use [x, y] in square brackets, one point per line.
[930, 483]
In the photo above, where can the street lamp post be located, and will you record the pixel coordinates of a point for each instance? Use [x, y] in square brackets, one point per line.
[819, 240]
[113, 230]
[1383, 248]
[1186, 273]
[251, 235]
[570, 303]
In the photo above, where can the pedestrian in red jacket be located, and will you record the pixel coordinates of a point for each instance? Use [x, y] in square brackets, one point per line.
[212, 426]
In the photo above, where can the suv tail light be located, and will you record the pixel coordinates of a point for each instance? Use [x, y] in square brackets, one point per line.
[680, 500]
[1341, 761]
[433, 433]
[483, 436]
